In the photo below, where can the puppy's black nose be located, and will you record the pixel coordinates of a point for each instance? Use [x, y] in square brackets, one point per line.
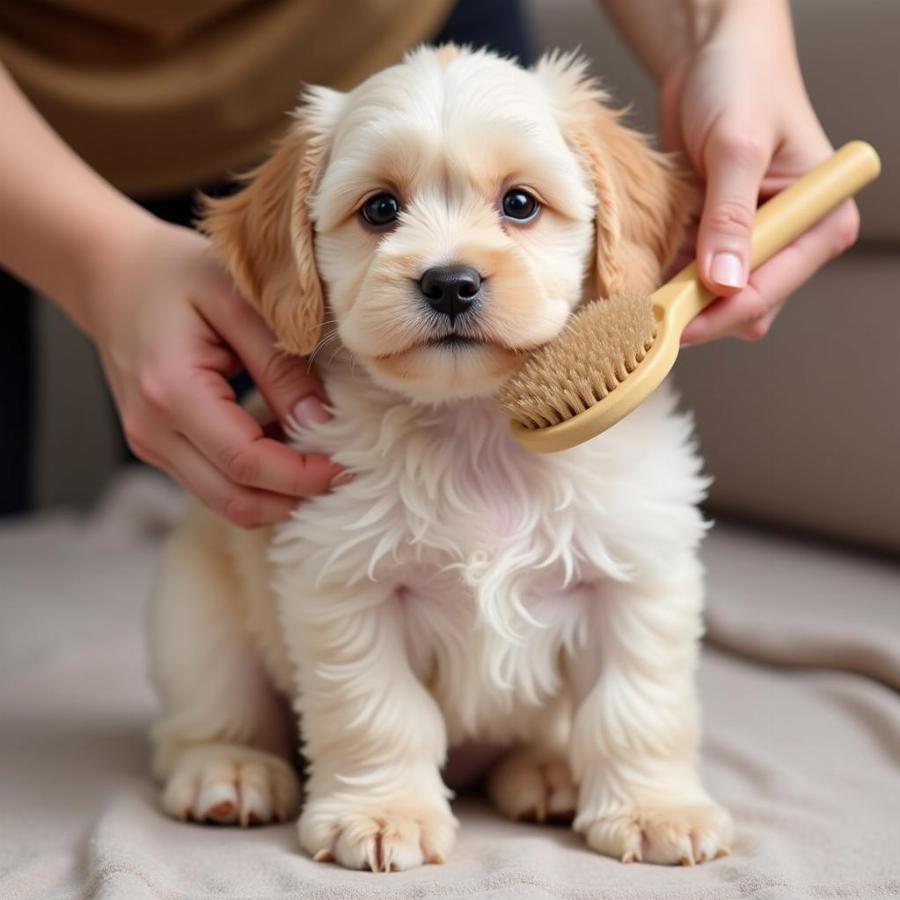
[450, 290]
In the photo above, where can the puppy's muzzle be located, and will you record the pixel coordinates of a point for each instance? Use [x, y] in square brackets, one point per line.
[451, 291]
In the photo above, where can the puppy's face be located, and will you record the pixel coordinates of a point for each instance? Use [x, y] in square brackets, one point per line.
[453, 223]
[460, 207]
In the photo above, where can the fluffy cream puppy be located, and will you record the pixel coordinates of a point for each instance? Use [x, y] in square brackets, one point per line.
[421, 233]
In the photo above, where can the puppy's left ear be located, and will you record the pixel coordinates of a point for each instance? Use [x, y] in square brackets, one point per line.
[266, 238]
[643, 201]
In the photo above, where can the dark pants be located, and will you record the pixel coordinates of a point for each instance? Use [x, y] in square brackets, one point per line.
[498, 24]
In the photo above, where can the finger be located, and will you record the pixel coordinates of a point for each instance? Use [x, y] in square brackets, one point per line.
[734, 167]
[756, 331]
[228, 436]
[750, 313]
[284, 380]
[243, 506]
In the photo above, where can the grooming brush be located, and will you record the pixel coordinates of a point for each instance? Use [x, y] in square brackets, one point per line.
[613, 353]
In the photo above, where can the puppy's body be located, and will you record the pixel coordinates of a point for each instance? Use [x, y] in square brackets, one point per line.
[456, 588]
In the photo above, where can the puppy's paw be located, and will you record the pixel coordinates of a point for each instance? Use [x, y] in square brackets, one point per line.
[231, 785]
[668, 835]
[530, 786]
[383, 838]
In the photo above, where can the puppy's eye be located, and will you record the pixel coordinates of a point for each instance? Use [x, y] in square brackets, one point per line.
[381, 210]
[518, 204]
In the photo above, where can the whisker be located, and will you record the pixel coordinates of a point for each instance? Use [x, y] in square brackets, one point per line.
[319, 346]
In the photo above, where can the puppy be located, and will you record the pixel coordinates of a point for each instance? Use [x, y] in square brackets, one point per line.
[418, 236]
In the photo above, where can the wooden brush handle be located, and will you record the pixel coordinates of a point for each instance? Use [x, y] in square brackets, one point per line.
[778, 222]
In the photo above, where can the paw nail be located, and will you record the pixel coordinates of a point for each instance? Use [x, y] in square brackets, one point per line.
[222, 810]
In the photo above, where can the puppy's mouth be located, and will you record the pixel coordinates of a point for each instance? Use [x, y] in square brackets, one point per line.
[458, 343]
[455, 340]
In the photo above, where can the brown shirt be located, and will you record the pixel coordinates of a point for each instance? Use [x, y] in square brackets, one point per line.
[161, 96]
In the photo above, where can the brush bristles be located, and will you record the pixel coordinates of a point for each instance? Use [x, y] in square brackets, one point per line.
[600, 346]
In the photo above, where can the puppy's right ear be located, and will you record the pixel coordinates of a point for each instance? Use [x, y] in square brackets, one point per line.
[266, 238]
[643, 201]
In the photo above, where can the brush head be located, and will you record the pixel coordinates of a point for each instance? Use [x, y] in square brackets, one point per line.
[601, 345]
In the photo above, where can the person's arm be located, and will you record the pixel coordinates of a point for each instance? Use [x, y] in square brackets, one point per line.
[168, 325]
[662, 32]
[732, 100]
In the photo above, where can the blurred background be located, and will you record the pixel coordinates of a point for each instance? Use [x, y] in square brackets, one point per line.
[800, 431]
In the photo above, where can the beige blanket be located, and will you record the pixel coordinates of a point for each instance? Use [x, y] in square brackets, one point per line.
[799, 684]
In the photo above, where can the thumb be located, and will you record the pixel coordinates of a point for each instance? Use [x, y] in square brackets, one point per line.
[734, 171]
[290, 387]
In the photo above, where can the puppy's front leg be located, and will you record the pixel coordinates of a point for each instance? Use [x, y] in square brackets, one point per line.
[374, 736]
[636, 728]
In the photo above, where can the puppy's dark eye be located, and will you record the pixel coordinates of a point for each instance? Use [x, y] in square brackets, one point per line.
[518, 204]
[381, 210]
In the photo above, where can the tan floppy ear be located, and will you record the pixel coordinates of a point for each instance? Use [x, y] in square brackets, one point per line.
[643, 201]
[643, 204]
[265, 236]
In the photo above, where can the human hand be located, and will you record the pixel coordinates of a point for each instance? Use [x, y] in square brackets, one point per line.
[171, 329]
[738, 111]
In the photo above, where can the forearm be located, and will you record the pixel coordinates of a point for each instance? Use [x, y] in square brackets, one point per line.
[58, 219]
[663, 32]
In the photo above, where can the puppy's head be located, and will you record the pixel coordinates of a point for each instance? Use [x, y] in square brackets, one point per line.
[450, 212]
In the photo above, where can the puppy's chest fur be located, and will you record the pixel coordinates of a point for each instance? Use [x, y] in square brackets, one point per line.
[491, 559]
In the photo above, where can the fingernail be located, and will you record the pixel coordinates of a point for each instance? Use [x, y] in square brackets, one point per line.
[727, 269]
[341, 478]
[309, 411]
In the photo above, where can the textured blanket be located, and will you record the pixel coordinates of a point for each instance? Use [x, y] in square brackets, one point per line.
[800, 681]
